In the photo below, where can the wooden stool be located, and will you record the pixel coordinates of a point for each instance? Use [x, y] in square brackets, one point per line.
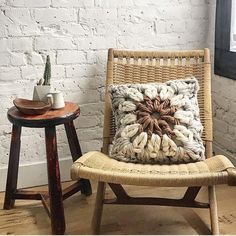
[52, 201]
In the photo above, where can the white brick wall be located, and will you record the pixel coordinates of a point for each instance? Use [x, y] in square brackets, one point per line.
[76, 34]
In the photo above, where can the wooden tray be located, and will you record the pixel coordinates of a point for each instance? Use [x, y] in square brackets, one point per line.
[31, 107]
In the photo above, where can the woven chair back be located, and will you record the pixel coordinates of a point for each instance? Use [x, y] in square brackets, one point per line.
[126, 66]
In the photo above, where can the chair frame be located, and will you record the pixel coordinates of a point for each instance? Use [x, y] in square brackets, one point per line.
[188, 199]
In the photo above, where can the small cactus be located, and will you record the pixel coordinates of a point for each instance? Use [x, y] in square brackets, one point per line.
[47, 72]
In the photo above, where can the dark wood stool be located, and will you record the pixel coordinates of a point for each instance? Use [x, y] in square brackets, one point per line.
[52, 201]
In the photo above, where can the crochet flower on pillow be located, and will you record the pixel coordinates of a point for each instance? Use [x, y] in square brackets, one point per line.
[157, 122]
[156, 116]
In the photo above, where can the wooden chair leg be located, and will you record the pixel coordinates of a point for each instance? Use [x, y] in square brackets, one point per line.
[213, 210]
[97, 215]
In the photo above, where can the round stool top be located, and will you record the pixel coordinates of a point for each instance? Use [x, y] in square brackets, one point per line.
[50, 118]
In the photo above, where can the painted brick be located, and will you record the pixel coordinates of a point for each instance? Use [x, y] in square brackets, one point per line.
[30, 30]
[3, 18]
[91, 145]
[114, 3]
[50, 43]
[229, 89]
[198, 3]
[178, 12]
[220, 126]
[90, 134]
[232, 107]
[10, 87]
[5, 130]
[86, 14]
[9, 73]
[218, 112]
[83, 97]
[17, 59]
[81, 71]
[199, 12]
[151, 3]
[21, 44]
[96, 43]
[54, 16]
[87, 121]
[57, 71]
[89, 83]
[160, 26]
[176, 26]
[34, 58]
[70, 57]
[5, 45]
[3, 31]
[147, 28]
[29, 3]
[226, 141]
[2, 2]
[76, 29]
[92, 109]
[97, 57]
[72, 3]
[137, 15]
[223, 102]
[32, 72]
[232, 131]
[196, 25]
[18, 16]
[229, 118]
[14, 30]
[4, 59]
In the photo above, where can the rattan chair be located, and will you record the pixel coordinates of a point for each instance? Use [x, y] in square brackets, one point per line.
[142, 67]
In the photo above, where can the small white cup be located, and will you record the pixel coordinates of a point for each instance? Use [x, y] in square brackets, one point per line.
[56, 99]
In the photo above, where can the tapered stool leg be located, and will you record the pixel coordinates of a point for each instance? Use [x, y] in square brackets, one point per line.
[76, 153]
[54, 183]
[13, 167]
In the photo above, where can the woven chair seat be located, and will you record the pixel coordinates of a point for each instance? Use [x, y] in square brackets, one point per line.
[100, 167]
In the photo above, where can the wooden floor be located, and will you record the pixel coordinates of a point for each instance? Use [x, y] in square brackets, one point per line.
[29, 217]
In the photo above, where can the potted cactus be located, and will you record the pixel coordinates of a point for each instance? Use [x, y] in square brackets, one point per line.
[43, 86]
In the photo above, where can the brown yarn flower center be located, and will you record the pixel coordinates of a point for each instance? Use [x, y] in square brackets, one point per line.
[156, 116]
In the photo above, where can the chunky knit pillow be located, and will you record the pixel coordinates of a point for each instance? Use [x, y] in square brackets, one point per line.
[157, 122]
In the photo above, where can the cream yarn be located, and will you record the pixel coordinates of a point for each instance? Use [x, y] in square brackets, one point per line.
[178, 99]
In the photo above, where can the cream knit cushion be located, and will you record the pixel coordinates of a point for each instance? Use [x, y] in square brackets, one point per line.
[157, 122]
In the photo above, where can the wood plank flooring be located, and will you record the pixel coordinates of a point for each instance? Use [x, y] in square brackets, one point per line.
[29, 217]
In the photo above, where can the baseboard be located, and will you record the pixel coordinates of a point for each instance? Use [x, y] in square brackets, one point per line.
[35, 174]
[221, 151]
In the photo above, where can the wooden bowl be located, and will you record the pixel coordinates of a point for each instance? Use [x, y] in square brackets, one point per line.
[31, 107]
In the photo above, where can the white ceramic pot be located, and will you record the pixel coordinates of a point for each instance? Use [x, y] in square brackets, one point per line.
[40, 92]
